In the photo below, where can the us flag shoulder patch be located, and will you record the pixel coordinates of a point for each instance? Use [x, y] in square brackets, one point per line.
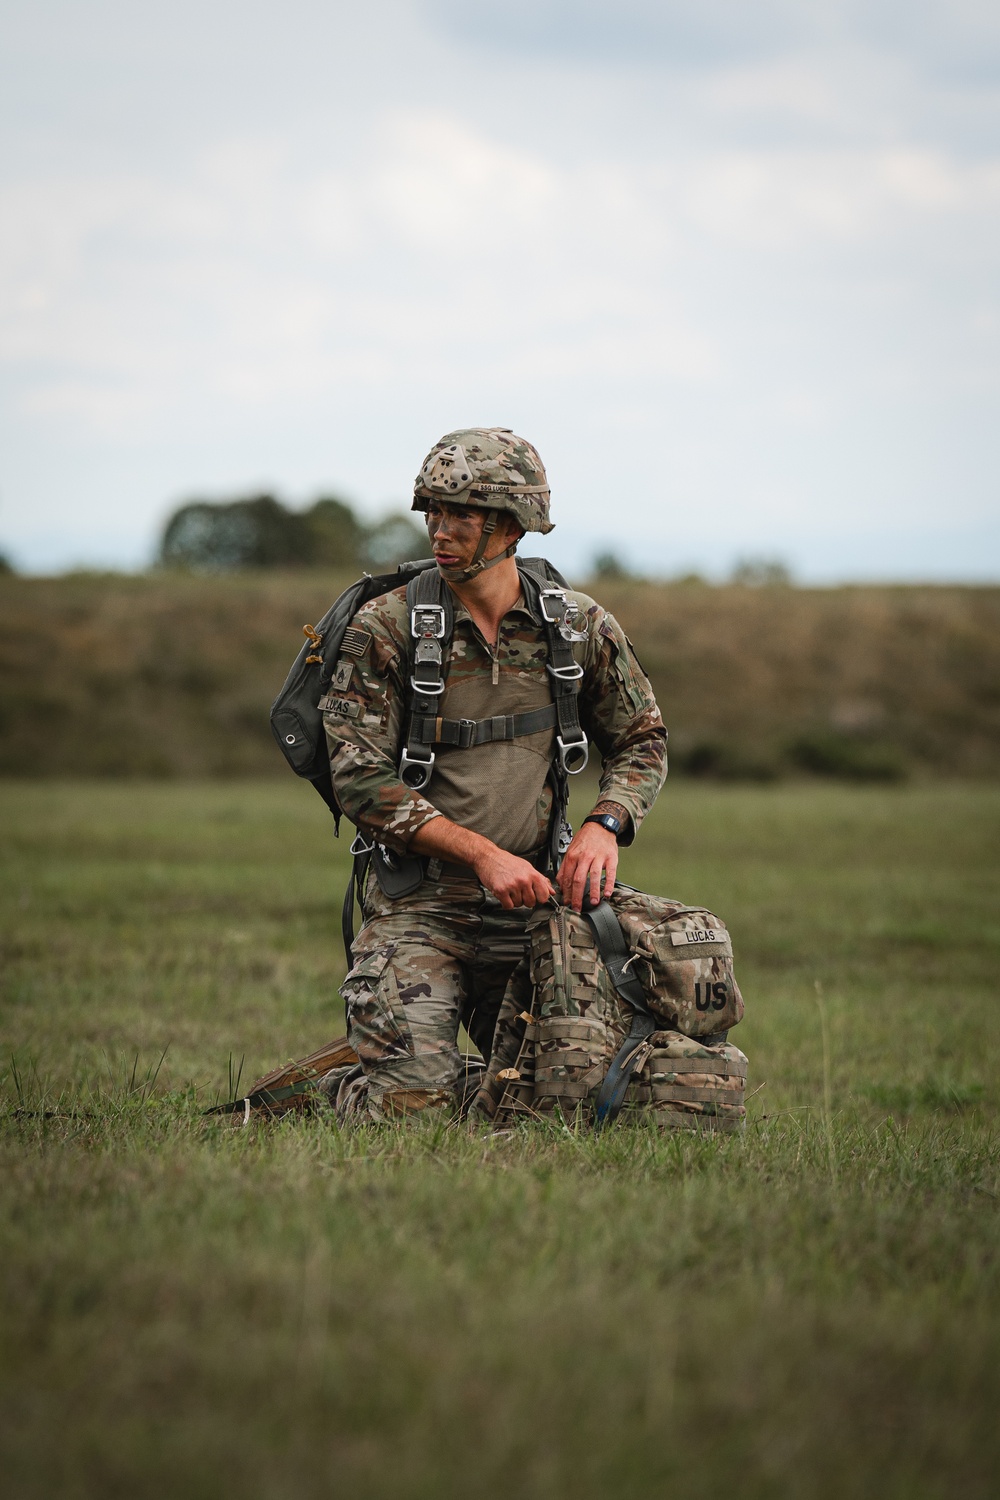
[355, 642]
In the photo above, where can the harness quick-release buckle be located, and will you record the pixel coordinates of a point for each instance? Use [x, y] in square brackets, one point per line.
[427, 620]
[569, 753]
[415, 771]
[559, 594]
[427, 625]
[359, 846]
[561, 620]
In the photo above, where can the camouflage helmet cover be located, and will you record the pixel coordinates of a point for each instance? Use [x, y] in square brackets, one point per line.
[488, 468]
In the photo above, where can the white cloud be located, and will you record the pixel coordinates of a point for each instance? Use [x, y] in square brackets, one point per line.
[777, 265]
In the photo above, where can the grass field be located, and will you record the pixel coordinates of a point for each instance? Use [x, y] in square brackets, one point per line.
[194, 1310]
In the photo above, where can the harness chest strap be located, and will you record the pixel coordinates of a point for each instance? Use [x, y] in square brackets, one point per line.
[465, 733]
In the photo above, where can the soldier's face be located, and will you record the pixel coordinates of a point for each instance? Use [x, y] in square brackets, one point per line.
[454, 531]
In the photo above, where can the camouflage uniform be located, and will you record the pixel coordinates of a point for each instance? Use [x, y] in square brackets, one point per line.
[444, 954]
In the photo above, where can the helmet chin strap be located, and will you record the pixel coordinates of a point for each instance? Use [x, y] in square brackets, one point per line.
[477, 566]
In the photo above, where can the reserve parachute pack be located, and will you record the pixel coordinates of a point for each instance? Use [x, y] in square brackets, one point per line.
[627, 1007]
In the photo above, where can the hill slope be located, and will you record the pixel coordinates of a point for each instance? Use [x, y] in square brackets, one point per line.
[172, 675]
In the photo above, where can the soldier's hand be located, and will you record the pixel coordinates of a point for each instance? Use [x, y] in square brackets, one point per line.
[590, 861]
[512, 880]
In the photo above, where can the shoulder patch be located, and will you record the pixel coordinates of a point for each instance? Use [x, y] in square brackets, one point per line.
[355, 642]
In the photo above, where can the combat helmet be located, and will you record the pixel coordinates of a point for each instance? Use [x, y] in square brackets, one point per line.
[491, 469]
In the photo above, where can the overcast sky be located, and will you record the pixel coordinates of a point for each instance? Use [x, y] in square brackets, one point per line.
[732, 265]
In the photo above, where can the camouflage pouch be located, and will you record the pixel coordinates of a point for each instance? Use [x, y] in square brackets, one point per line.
[687, 1085]
[559, 1026]
[578, 1024]
[683, 958]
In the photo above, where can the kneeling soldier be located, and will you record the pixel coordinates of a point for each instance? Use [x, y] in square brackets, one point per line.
[452, 724]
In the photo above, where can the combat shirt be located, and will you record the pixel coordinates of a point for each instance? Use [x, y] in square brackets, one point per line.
[500, 790]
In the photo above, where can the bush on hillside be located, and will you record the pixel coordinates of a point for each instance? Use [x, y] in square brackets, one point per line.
[260, 532]
[828, 754]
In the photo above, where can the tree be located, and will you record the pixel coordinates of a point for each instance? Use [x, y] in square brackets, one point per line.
[220, 538]
[261, 532]
[760, 572]
[394, 540]
[337, 536]
[608, 567]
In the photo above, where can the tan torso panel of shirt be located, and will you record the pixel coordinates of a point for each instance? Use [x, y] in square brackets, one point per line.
[498, 790]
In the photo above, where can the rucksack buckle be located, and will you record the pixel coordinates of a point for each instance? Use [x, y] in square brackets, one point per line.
[359, 845]
[573, 757]
[427, 620]
[415, 771]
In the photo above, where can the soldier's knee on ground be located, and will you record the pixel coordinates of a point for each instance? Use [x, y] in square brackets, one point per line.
[402, 1020]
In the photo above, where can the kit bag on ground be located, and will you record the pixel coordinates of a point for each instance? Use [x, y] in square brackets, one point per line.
[627, 1007]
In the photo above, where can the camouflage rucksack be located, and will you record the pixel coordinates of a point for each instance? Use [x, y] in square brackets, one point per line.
[627, 1006]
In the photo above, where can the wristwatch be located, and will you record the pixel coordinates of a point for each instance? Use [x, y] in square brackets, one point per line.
[606, 820]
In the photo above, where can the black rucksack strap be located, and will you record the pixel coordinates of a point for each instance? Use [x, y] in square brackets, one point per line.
[614, 950]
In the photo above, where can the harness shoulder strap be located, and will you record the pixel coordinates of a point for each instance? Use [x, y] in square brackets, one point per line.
[549, 604]
[432, 624]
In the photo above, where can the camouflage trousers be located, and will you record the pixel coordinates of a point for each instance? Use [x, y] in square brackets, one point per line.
[423, 965]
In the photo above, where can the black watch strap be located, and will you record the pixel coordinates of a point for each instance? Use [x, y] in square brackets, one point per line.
[606, 820]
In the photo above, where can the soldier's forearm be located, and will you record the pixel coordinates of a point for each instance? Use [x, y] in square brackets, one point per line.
[443, 839]
[510, 878]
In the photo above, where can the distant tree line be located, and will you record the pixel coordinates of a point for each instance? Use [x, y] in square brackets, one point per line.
[747, 572]
[260, 532]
